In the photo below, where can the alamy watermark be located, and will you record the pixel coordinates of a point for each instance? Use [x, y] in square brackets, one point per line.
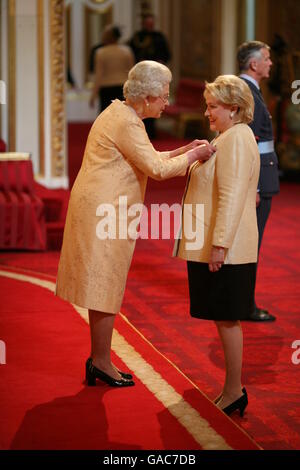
[2, 352]
[296, 94]
[296, 354]
[137, 221]
[2, 92]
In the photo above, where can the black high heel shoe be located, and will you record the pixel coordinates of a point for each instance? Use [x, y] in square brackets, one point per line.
[123, 374]
[216, 400]
[92, 373]
[239, 404]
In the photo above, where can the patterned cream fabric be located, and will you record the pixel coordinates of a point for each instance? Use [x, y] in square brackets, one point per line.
[118, 159]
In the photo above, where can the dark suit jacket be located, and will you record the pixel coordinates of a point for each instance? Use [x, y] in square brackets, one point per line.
[150, 45]
[261, 126]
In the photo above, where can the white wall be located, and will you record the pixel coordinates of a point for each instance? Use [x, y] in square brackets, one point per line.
[28, 86]
[228, 36]
[250, 20]
[27, 123]
[78, 101]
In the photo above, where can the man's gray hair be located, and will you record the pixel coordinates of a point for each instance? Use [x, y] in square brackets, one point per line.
[247, 51]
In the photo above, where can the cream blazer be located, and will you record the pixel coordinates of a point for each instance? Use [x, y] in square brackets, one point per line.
[226, 185]
[117, 161]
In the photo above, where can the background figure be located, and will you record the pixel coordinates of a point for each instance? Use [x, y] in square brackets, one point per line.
[70, 79]
[112, 64]
[254, 64]
[149, 44]
[221, 272]
[92, 57]
[97, 251]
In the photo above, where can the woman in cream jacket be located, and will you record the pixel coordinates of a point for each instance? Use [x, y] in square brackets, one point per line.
[118, 159]
[220, 198]
[112, 64]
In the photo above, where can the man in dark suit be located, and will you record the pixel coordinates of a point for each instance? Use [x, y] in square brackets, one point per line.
[255, 63]
[150, 44]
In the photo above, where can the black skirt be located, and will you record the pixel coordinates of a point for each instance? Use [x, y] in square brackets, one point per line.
[227, 294]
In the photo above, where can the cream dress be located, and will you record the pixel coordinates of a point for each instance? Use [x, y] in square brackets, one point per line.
[117, 161]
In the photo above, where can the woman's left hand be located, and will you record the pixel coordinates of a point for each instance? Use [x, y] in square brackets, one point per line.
[217, 258]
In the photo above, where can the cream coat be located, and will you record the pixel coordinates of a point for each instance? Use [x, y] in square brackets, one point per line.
[118, 159]
[226, 185]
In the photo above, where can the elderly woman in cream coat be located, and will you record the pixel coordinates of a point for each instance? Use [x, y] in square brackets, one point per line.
[118, 159]
[221, 272]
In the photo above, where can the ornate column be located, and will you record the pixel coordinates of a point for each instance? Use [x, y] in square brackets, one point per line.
[57, 92]
[52, 129]
[33, 72]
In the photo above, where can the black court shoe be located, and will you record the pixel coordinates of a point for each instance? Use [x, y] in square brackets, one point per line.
[260, 314]
[123, 374]
[239, 404]
[216, 400]
[92, 373]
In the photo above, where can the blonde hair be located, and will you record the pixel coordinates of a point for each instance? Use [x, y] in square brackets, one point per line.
[146, 78]
[233, 91]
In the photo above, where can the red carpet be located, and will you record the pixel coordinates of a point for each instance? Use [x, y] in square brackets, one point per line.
[45, 405]
[77, 136]
[156, 303]
[158, 287]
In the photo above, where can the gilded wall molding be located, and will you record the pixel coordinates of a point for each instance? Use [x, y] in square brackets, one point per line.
[11, 21]
[41, 79]
[98, 1]
[99, 4]
[57, 72]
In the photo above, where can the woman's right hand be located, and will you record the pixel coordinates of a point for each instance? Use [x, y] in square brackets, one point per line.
[217, 257]
[195, 143]
[202, 152]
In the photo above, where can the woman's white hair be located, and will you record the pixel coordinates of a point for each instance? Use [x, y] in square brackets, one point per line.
[146, 78]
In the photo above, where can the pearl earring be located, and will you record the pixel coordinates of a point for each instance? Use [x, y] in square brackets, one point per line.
[232, 114]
